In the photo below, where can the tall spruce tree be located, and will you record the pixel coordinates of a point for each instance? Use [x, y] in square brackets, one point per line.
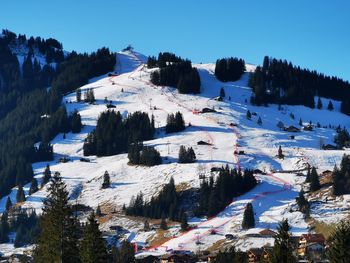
[283, 248]
[319, 103]
[8, 204]
[59, 235]
[4, 228]
[339, 244]
[126, 253]
[248, 217]
[92, 245]
[222, 93]
[46, 176]
[33, 186]
[106, 180]
[314, 180]
[330, 106]
[20, 196]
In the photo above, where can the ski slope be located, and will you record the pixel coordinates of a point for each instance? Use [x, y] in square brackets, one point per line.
[273, 199]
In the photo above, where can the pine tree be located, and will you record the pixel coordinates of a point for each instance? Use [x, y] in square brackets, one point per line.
[76, 122]
[20, 237]
[249, 115]
[47, 175]
[8, 204]
[33, 187]
[106, 180]
[92, 245]
[259, 121]
[20, 196]
[283, 247]
[330, 106]
[222, 93]
[339, 244]
[78, 95]
[280, 153]
[319, 103]
[4, 228]
[184, 223]
[303, 204]
[248, 217]
[98, 211]
[186, 155]
[126, 253]
[59, 235]
[314, 180]
[300, 122]
[163, 223]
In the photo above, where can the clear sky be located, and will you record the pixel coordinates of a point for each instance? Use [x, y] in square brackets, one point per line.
[310, 33]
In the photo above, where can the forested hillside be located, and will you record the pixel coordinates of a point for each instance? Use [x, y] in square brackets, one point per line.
[280, 82]
[29, 111]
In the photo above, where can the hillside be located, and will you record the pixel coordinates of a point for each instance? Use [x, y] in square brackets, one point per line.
[227, 130]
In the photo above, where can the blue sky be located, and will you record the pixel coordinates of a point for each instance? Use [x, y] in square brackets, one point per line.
[310, 33]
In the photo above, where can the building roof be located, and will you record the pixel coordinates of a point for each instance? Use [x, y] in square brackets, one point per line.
[267, 232]
[313, 238]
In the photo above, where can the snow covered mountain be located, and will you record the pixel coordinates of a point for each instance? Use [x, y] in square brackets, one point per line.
[227, 130]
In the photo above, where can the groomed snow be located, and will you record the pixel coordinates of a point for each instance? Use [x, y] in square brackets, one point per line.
[273, 199]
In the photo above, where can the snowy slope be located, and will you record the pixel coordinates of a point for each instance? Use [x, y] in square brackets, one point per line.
[130, 90]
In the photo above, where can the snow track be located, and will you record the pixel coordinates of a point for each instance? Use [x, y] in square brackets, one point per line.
[273, 199]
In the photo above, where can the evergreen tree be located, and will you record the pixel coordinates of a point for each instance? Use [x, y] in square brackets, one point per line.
[330, 106]
[59, 236]
[126, 253]
[248, 217]
[106, 180]
[92, 245]
[186, 155]
[184, 223]
[47, 175]
[314, 180]
[280, 153]
[163, 223]
[78, 95]
[283, 248]
[303, 204]
[175, 123]
[319, 103]
[249, 115]
[76, 122]
[20, 196]
[34, 186]
[8, 204]
[259, 121]
[20, 237]
[222, 93]
[339, 244]
[4, 228]
[98, 211]
[300, 122]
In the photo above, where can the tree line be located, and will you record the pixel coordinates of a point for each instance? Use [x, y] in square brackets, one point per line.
[62, 238]
[279, 81]
[113, 134]
[175, 72]
[139, 154]
[341, 177]
[229, 69]
[166, 204]
[33, 112]
[215, 195]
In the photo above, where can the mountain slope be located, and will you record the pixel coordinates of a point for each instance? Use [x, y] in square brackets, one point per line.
[130, 90]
